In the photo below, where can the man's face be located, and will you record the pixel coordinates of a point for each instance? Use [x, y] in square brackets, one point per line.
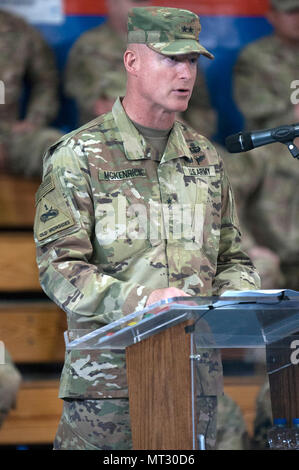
[166, 82]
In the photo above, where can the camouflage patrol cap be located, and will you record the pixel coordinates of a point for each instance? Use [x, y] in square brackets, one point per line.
[285, 5]
[168, 31]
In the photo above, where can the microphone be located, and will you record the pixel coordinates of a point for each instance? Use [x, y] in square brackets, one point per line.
[244, 141]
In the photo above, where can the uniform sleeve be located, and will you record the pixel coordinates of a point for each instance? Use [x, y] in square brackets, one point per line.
[235, 270]
[43, 80]
[64, 231]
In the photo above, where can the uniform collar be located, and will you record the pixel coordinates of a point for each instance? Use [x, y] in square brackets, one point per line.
[135, 145]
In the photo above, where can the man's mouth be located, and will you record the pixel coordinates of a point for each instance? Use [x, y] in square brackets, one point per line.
[182, 91]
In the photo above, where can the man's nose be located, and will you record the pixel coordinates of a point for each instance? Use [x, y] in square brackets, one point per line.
[185, 70]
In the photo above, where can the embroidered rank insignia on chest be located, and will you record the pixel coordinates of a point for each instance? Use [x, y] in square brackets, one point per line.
[194, 148]
[199, 171]
[119, 175]
[197, 153]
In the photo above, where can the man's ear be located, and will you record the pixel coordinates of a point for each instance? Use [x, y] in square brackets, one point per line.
[131, 61]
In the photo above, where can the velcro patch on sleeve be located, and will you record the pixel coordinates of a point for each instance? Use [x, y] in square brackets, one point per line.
[52, 214]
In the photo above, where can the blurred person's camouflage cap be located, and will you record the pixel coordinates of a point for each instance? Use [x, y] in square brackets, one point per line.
[169, 31]
[285, 5]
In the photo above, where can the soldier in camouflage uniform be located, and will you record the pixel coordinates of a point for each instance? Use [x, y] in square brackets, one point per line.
[263, 77]
[10, 380]
[266, 69]
[24, 55]
[98, 257]
[265, 182]
[95, 75]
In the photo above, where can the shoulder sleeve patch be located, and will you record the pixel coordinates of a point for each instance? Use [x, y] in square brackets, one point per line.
[52, 211]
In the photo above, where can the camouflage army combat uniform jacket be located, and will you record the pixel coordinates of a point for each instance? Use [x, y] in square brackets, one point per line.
[99, 252]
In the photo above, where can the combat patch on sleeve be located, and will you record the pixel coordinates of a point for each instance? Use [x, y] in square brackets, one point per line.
[52, 213]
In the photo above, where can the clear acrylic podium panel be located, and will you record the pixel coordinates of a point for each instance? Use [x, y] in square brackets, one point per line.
[245, 319]
[251, 319]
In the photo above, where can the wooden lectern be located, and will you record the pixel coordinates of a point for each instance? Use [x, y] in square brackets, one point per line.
[160, 390]
[283, 372]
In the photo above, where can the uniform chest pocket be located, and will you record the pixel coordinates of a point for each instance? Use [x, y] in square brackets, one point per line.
[204, 193]
[121, 223]
[196, 213]
[197, 181]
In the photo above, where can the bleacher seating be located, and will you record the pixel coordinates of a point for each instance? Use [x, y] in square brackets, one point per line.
[17, 196]
[31, 326]
[33, 331]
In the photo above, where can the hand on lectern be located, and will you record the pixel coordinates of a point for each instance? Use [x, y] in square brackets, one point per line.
[163, 294]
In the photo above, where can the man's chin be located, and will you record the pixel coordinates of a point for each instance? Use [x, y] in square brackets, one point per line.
[181, 106]
[181, 109]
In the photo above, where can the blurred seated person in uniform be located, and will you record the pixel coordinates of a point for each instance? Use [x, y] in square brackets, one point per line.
[265, 183]
[266, 69]
[25, 61]
[95, 75]
[265, 179]
[10, 380]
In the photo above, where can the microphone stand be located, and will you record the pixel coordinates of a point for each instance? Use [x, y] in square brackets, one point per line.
[293, 149]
